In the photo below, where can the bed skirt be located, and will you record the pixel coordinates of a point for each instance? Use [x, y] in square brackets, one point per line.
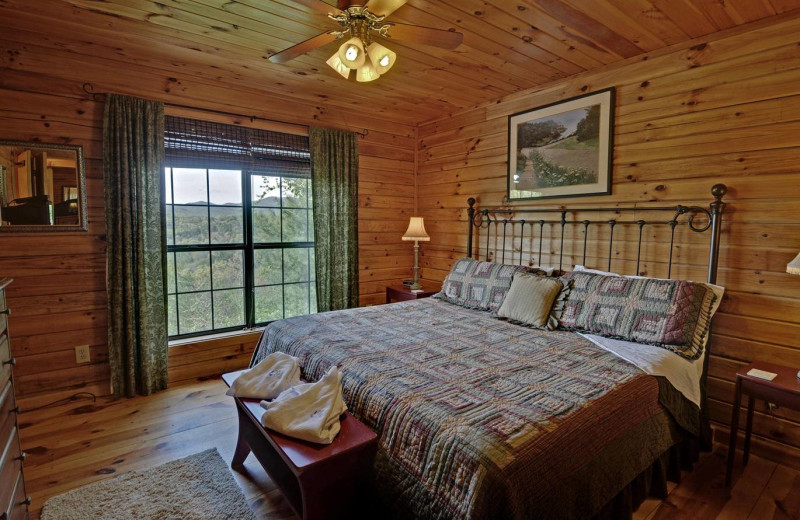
[652, 482]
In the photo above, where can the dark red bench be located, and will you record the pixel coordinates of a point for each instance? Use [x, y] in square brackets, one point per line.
[318, 480]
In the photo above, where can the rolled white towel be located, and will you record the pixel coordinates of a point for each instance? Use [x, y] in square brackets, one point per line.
[266, 380]
[309, 411]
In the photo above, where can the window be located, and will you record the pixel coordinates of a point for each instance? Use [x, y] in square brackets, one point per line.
[240, 242]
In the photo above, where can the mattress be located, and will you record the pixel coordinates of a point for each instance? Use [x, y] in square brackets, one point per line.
[481, 418]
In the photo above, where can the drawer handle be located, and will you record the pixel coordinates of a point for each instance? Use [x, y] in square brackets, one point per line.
[12, 362]
[27, 501]
[7, 312]
[22, 456]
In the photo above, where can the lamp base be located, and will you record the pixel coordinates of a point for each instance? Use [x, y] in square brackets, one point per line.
[415, 287]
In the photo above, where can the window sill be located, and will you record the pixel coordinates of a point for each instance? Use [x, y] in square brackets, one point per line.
[216, 336]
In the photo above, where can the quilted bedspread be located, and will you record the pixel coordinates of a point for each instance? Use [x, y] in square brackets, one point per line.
[481, 418]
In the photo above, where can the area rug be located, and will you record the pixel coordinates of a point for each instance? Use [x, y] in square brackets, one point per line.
[193, 488]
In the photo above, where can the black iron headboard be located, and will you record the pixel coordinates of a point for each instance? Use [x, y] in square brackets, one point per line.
[503, 220]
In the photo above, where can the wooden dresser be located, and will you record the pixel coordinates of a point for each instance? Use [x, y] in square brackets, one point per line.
[13, 500]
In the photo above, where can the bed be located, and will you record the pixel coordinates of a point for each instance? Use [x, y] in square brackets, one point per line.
[482, 418]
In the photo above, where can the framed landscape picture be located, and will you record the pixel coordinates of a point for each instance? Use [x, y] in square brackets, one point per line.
[564, 149]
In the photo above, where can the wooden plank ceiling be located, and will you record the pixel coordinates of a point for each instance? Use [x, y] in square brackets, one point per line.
[509, 45]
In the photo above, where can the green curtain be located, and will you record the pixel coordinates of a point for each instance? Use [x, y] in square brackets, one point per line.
[334, 188]
[133, 150]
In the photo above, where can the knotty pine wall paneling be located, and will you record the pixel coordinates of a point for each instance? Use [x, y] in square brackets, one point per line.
[58, 298]
[725, 110]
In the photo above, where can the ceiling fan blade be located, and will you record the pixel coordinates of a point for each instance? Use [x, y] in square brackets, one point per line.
[303, 47]
[318, 6]
[385, 7]
[415, 33]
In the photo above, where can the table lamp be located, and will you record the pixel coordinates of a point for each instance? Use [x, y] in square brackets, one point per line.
[416, 232]
[792, 267]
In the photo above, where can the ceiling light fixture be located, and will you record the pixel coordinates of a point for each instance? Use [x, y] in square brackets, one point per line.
[369, 59]
[360, 24]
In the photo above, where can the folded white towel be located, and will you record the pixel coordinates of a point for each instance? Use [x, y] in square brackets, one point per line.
[266, 380]
[309, 411]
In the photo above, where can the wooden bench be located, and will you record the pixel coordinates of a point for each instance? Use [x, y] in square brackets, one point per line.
[318, 480]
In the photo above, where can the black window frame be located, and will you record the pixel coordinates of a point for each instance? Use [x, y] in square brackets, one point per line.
[248, 247]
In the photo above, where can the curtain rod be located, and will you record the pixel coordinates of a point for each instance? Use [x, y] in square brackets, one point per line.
[98, 96]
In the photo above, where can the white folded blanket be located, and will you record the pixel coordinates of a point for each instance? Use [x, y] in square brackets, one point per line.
[309, 411]
[266, 380]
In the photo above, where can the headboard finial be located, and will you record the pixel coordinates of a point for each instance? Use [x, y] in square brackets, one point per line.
[470, 217]
[719, 191]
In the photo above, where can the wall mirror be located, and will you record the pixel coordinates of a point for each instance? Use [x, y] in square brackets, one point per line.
[42, 187]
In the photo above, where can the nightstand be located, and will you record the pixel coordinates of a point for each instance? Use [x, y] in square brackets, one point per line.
[784, 390]
[401, 294]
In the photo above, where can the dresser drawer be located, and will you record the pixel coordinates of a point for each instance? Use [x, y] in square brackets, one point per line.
[5, 357]
[3, 312]
[18, 508]
[10, 465]
[8, 413]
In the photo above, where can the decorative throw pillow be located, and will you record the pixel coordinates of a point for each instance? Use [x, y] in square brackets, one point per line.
[536, 301]
[478, 285]
[673, 314]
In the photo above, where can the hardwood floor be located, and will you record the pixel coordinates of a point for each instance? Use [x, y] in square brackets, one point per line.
[81, 442]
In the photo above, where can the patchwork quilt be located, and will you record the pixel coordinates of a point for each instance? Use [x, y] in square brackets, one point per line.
[481, 418]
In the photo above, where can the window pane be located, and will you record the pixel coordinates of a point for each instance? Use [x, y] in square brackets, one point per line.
[193, 273]
[296, 299]
[172, 315]
[266, 191]
[267, 266]
[294, 192]
[225, 187]
[311, 225]
[227, 226]
[266, 225]
[167, 185]
[269, 303]
[295, 265]
[170, 229]
[170, 273]
[191, 225]
[295, 225]
[228, 308]
[312, 264]
[313, 301]
[190, 186]
[228, 269]
[195, 312]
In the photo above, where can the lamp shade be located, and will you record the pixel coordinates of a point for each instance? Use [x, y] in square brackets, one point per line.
[793, 267]
[416, 230]
[367, 73]
[381, 57]
[336, 64]
[352, 53]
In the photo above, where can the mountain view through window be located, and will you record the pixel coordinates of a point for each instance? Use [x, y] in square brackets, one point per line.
[240, 249]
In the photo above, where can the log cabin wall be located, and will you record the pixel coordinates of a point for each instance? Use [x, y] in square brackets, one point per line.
[725, 110]
[58, 298]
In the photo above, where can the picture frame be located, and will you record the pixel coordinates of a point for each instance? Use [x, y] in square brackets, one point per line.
[563, 149]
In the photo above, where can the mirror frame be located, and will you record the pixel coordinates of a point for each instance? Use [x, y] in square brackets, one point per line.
[83, 208]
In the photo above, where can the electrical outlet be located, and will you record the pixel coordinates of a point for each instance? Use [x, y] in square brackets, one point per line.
[82, 354]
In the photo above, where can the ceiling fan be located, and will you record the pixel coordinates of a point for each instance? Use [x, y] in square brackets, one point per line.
[363, 23]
